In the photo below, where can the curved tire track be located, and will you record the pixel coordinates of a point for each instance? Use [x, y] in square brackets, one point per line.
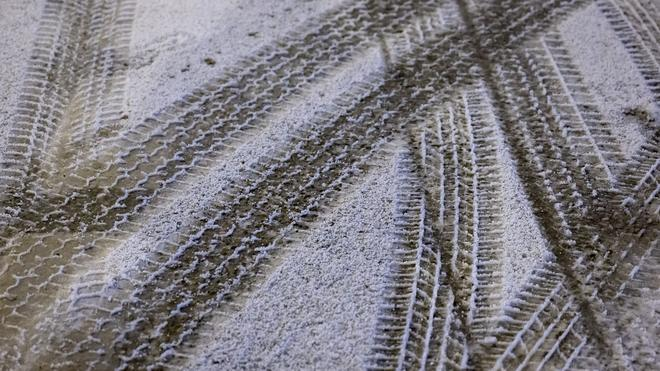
[599, 214]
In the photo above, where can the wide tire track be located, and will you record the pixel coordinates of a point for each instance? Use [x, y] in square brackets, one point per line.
[239, 237]
[450, 230]
[108, 209]
[519, 91]
[73, 93]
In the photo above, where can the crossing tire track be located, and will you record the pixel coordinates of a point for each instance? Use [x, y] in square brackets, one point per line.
[447, 289]
[238, 237]
[411, 331]
[541, 310]
[196, 129]
[457, 77]
[288, 194]
[102, 212]
[570, 214]
[538, 146]
[393, 322]
[166, 147]
[562, 216]
[612, 244]
[639, 174]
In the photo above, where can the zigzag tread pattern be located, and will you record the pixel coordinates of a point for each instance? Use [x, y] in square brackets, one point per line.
[461, 79]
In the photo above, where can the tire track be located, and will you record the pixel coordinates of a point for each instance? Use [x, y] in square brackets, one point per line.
[409, 317]
[636, 309]
[523, 324]
[246, 244]
[166, 147]
[409, 218]
[412, 331]
[109, 208]
[162, 303]
[623, 247]
[569, 214]
[625, 257]
[607, 243]
[455, 325]
[448, 276]
[626, 267]
[639, 33]
[91, 281]
[587, 132]
[195, 130]
[337, 219]
[207, 120]
[48, 218]
[639, 172]
[563, 219]
[544, 310]
[74, 88]
[396, 83]
[286, 190]
[486, 299]
[504, 86]
[394, 353]
[564, 321]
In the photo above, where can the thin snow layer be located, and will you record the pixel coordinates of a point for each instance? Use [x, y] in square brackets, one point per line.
[201, 191]
[172, 40]
[179, 209]
[524, 245]
[318, 309]
[19, 20]
[611, 75]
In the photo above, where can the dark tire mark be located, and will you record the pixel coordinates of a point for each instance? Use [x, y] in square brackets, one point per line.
[638, 30]
[97, 215]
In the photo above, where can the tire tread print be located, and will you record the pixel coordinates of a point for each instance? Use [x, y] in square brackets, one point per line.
[302, 160]
[74, 85]
[566, 323]
[639, 33]
[109, 210]
[444, 307]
